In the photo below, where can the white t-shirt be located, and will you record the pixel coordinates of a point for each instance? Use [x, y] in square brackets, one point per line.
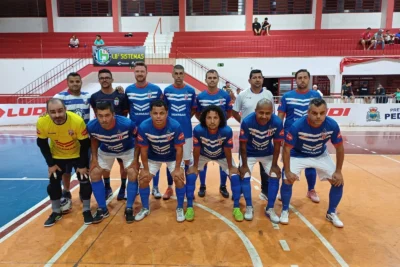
[246, 101]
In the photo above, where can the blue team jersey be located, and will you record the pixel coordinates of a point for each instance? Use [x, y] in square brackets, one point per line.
[116, 140]
[139, 101]
[77, 104]
[220, 98]
[307, 141]
[259, 137]
[161, 142]
[295, 105]
[119, 101]
[180, 103]
[212, 144]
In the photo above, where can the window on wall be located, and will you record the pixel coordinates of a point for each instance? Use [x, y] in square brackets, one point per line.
[396, 5]
[84, 8]
[23, 8]
[261, 7]
[214, 7]
[346, 6]
[150, 8]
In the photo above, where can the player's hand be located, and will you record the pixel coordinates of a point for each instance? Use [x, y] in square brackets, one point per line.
[276, 170]
[178, 174]
[53, 169]
[337, 179]
[193, 170]
[233, 171]
[84, 172]
[290, 178]
[120, 89]
[94, 164]
[243, 170]
[135, 164]
[135, 172]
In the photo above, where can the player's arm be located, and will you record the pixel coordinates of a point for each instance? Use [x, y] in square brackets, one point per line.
[43, 144]
[337, 141]
[94, 146]
[290, 142]
[243, 139]
[196, 153]
[228, 107]
[179, 157]
[228, 145]
[278, 137]
[144, 157]
[282, 108]
[236, 108]
[125, 106]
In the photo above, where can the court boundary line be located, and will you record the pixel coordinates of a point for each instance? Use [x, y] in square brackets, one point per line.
[392, 159]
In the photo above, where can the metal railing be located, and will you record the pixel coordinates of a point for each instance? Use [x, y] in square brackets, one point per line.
[369, 99]
[34, 99]
[159, 23]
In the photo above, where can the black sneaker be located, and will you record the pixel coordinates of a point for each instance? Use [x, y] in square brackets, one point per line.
[130, 218]
[53, 218]
[87, 217]
[121, 194]
[66, 194]
[100, 215]
[202, 191]
[223, 191]
[108, 192]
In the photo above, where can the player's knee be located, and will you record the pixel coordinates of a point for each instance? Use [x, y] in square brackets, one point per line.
[187, 162]
[145, 182]
[235, 180]
[85, 189]
[54, 189]
[95, 174]
[132, 176]
[178, 183]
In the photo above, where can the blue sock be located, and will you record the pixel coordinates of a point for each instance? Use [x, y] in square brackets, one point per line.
[131, 193]
[311, 176]
[156, 179]
[144, 196]
[107, 183]
[202, 175]
[246, 190]
[186, 168]
[180, 195]
[223, 176]
[335, 195]
[190, 187]
[236, 190]
[99, 193]
[273, 188]
[286, 195]
[169, 178]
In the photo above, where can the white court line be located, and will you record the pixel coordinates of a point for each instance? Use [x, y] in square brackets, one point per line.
[373, 152]
[325, 242]
[256, 187]
[284, 245]
[395, 160]
[275, 226]
[66, 246]
[294, 265]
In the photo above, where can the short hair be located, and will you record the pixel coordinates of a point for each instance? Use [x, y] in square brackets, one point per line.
[347, 82]
[104, 105]
[317, 102]
[54, 100]
[141, 64]
[74, 74]
[263, 102]
[212, 71]
[302, 70]
[158, 103]
[369, 28]
[179, 67]
[98, 35]
[203, 116]
[105, 71]
[266, 18]
[255, 72]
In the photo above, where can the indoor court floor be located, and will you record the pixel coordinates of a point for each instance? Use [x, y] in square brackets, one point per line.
[369, 210]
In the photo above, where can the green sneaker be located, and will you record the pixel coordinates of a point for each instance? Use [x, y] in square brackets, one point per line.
[237, 214]
[189, 215]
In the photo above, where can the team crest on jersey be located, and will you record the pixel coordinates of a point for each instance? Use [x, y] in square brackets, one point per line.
[219, 140]
[149, 94]
[289, 137]
[323, 134]
[186, 96]
[71, 132]
[119, 135]
[221, 101]
[85, 102]
[116, 101]
[169, 137]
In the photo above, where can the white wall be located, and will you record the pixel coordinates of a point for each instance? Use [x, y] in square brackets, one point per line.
[351, 21]
[83, 24]
[396, 20]
[20, 72]
[216, 23]
[289, 22]
[23, 25]
[376, 67]
[148, 24]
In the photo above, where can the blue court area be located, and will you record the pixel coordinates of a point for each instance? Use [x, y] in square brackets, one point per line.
[23, 176]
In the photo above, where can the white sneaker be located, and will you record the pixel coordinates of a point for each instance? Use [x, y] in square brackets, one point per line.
[180, 215]
[272, 215]
[248, 215]
[66, 205]
[156, 193]
[142, 213]
[263, 196]
[334, 219]
[284, 217]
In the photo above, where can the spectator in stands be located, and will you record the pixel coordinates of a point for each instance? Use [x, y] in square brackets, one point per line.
[364, 93]
[256, 27]
[73, 42]
[98, 42]
[379, 39]
[397, 37]
[380, 93]
[315, 88]
[366, 39]
[347, 92]
[396, 95]
[389, 38]
[238, 91]
[266, 27]
[227, 88]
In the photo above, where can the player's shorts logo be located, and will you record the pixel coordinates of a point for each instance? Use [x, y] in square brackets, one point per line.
[140, 138]
[195, 140]
[102, 56]
[230, 141]
[289, 137]
[282, 133]
[116, 101]
[373, 114]
[241, 132]
[181, 137]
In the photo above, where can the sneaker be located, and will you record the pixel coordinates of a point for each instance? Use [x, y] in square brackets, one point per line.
[129, 217]
[313, 196]
[237, 214]
[100, 215]
[180, 215]
[202, 191]
[156, 193]
[284, 219]
[108, 193]
[168, 193]
[248, 215]
[142, 213]
[223, 191]
[263, 196]
[189, 215]
[66, 194]
[87, 217]
[334, 219]
[121, 194]
[53, 218]
[272, 215]
[66, 205]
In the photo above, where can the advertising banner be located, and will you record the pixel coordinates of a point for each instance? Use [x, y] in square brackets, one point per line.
[117, 56]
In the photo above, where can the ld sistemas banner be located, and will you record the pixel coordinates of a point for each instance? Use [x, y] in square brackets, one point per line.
[117, 55]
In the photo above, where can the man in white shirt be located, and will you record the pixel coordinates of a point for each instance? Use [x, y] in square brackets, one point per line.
[315, 88]
[245, 104]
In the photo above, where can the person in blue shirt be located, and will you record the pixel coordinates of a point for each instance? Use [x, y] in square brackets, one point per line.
[112, 136]
[160, 139]
[181, 102]
[305, 147]
[261, 135]
[140, 95]
[293, 106]
[213, 141]
[98, 42]
[213, 96]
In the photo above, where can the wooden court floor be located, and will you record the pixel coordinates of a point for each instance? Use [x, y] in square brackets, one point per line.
[369, 210]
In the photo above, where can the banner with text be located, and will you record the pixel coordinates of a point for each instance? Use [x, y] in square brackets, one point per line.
[119, 56]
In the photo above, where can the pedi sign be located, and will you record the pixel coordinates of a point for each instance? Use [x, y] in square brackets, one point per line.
[20, 114]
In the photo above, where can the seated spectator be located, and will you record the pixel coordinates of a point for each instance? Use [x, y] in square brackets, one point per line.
[389, 38]
[364, 93]
[366, 39]
[266, 27]
[347, 92]
[256, 27]
[99, 42]
[396, 95]
[379, 39]
[73, 42]
[315, 88]
[397, 37]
